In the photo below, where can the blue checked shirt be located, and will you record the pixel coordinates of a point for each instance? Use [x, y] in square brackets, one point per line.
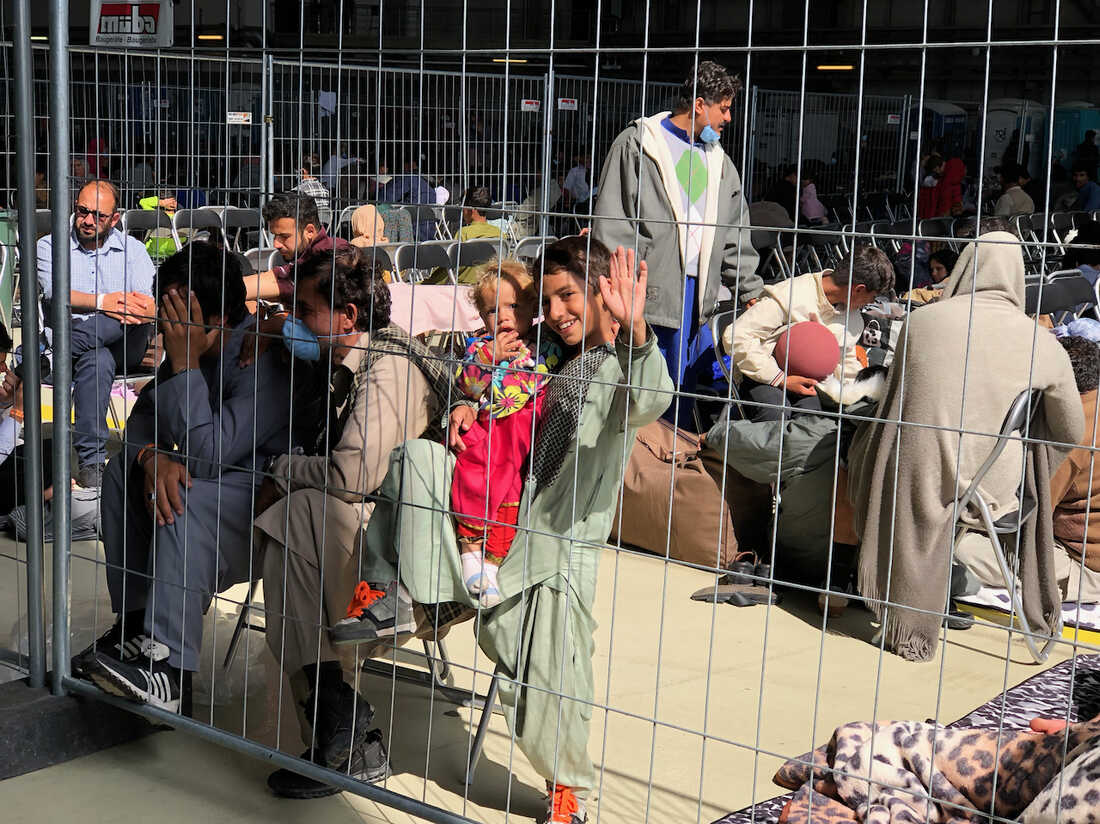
[121, 264]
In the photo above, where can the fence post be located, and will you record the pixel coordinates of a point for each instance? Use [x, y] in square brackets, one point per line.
[903, 155]
[750, 151]
[268, 145]
[547, 150]
[32, 384]
[62, 350]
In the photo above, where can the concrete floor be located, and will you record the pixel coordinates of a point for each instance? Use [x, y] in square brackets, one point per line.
[703, 712]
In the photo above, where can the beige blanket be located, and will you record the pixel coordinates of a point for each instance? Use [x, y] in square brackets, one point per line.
[960, 364]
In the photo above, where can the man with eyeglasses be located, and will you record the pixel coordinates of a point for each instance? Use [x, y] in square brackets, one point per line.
[112, 307]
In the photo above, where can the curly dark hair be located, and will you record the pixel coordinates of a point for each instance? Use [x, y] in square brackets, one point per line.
[583, 257]
[867, 265]
[352, 278]
[1085, 359]
[301, 208]
[710, 82]
[215, 275]
[477, 197]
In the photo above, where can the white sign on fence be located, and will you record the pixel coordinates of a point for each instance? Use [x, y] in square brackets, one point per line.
[238, 118]
[530, 105]
[131, 24]
[893, 120]
[567, 104]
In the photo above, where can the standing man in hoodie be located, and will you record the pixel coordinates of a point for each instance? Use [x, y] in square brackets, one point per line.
[669, 191]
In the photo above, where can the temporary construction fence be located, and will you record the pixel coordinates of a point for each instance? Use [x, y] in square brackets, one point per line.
[679, 702]
[225, 130]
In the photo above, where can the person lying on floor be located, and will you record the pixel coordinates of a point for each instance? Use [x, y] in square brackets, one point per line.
[173, 498]
[362, 388]
[541, 634]
[1075, 494]
[960, 364]
[833, 298]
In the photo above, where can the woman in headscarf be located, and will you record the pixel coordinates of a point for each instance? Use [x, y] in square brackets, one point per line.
[368, 230]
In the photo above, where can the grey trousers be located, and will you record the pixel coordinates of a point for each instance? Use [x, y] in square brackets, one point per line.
[101, 346]
[173, 571]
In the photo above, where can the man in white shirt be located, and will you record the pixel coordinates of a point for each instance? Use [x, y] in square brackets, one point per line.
[576, 182]
[112, 308]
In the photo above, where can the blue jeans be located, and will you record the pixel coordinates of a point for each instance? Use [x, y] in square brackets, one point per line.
[101, 347]
[688, 351]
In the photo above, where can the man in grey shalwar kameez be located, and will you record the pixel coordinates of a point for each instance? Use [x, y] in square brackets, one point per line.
[192, 451]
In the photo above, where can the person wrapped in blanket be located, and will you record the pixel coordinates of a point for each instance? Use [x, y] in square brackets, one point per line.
[505, 371]
[612, 381]
[902, 771]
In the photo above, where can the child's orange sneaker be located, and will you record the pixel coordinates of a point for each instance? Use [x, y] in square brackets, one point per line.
[565, 807]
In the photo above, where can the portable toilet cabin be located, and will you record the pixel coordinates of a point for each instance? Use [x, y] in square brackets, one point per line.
[1071, 120]
[940, 122]
[1024, 120]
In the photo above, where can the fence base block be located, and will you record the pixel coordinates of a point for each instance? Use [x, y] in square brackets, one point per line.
[38, 729]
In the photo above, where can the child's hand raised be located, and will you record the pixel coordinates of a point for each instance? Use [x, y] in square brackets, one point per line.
[506, 346]
[624, 294]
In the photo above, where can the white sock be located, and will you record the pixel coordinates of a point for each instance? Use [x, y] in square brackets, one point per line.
[472, 571]
[490, 572]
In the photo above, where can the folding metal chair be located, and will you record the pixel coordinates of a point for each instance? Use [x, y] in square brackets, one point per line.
[379, 257]
[195, 219]
[239, 224]
[939, 228]
[43, 219]
[876, 206]
[472, 252]
[1002, 532]
[529, 248]
[718, 324]
[342, 227]
[435, 657]
[1063, 299]
[416, 258]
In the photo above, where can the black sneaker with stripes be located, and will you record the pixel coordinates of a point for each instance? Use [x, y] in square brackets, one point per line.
[114, 642]
[147, 678]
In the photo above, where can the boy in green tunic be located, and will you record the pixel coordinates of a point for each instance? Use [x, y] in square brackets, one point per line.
[541, 635]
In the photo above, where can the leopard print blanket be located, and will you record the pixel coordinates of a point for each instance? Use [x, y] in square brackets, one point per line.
[921, 773]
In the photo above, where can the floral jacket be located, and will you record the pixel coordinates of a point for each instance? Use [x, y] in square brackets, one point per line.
[506, 387]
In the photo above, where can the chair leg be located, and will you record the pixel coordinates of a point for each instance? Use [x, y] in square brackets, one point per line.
[482, 729]
[1040, 655]
[242, 622]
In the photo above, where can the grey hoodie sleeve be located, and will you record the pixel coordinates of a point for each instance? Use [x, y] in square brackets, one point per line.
[614, 220]
[739, 258]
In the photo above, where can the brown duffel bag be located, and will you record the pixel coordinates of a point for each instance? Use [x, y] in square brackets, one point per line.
[698, 513]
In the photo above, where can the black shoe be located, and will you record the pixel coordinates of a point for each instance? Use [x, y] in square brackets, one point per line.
[338, 708]
[958, 620]
[112, 643]
[148, 678]
[369, 763]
